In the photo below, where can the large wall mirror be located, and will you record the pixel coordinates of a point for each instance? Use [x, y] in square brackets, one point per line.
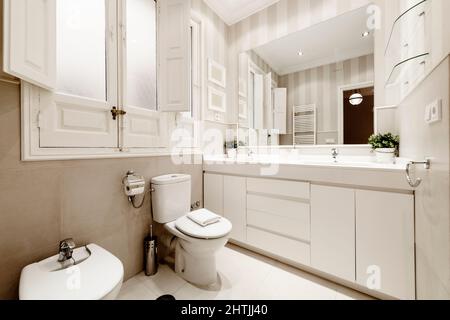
[313, 87]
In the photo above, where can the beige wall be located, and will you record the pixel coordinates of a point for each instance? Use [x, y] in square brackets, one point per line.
[320, 86]
[419, 141]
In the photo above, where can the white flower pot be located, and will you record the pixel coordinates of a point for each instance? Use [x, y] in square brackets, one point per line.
[386, 155]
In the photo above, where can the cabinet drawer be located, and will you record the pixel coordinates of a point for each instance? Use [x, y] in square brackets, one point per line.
[297, 227]
[279, 207]
[283, 247]
[279, 187]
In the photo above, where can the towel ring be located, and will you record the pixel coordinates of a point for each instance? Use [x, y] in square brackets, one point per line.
[415, 183]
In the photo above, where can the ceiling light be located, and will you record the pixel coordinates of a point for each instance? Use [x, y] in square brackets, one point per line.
[366, 34]
[300, 53]
[356, 99]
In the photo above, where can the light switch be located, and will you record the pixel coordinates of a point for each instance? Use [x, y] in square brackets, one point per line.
[433, 112]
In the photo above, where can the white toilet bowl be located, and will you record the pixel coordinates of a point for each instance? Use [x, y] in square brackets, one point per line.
[195, 253]
[98, 277]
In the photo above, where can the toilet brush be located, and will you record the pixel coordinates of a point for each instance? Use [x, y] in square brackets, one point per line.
[151, 254]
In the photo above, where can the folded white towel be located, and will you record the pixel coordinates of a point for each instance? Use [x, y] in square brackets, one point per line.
[203, 217]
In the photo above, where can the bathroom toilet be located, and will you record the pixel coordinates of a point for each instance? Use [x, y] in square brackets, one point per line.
[97, 276]
[196, 246]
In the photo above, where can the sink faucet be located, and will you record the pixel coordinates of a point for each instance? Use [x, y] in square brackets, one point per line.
[66, 248]
[334, 154]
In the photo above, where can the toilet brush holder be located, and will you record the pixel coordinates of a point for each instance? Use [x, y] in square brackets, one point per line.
[151, 256]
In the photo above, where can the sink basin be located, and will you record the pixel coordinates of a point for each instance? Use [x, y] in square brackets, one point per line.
[98, 275]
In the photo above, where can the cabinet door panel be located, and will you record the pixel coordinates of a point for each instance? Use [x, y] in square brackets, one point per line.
[30, 41]
[385, 242]
[213, 193]
[333, 231]
[174, 55]
[234, 207]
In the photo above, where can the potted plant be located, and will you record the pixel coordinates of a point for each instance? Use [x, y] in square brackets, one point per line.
[385, 146]
[231, 148]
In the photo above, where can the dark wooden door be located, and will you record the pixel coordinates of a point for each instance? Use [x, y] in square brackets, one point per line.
[358, 120]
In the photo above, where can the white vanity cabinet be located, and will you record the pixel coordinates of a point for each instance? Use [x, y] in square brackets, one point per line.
[355, 234]
[385, 242]
[333, 231]
[366, 237]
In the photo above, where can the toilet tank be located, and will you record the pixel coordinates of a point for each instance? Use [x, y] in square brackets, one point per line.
[171, 197]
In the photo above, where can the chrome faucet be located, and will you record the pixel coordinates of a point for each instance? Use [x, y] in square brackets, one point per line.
[334, 154]
[66, 248]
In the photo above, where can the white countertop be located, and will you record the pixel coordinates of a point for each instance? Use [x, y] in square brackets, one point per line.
[356, 162]
[348, 170]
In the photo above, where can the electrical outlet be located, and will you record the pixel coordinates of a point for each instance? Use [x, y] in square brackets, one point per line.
[433, 112]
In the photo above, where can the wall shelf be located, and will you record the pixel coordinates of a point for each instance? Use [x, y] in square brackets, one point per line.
[411, 67]
[412, 17]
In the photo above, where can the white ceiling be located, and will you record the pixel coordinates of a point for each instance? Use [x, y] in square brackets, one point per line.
[233, 11]
[334, 40]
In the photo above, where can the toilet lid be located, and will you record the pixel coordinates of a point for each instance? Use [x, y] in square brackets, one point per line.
[213, 231]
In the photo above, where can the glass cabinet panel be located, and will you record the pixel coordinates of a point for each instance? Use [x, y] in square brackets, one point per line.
[81, 48]
[141, 54]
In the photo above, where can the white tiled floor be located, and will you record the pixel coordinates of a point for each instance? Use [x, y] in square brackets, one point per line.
[244, 276]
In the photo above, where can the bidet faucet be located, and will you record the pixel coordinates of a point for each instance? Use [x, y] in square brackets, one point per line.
[334, 154]
[66, 248]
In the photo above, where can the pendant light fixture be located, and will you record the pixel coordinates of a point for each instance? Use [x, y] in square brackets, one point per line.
[356, 99]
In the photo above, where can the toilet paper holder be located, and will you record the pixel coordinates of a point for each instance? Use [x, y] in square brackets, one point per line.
[134, 185]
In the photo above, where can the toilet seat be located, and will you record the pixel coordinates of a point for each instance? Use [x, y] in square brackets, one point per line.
[214, 231]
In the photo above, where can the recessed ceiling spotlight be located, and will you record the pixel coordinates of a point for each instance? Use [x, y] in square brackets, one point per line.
[300, 53]
[366, 34]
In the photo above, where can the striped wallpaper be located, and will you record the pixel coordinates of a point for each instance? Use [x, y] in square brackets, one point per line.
[320, 86]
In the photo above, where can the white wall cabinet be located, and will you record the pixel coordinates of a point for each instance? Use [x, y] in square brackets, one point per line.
[333, 231]
[385, 242]
[30, 41]
[235, 205]
[213, 193]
